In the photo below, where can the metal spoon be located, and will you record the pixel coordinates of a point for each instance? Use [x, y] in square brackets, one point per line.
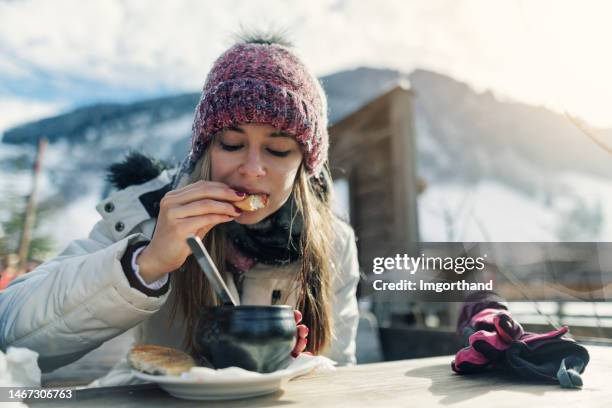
[210, 270]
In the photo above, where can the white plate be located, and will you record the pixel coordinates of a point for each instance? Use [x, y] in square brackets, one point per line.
[224, 387]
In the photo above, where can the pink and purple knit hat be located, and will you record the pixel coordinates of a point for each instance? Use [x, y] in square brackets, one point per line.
[268, 84]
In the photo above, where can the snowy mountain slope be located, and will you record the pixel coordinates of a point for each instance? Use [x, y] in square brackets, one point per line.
[491, 211]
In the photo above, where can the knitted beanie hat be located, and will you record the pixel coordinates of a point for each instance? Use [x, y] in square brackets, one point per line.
[263, 83]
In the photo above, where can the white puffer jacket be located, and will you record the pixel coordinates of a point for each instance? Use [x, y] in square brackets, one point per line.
[73, 303]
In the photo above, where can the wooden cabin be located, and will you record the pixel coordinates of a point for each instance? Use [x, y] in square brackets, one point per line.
[373, 152]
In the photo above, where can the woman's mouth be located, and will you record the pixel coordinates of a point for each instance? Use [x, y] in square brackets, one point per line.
[255, 199]
[250, 191]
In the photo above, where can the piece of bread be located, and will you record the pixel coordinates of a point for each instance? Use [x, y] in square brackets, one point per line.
[252, 202]
[152, 359]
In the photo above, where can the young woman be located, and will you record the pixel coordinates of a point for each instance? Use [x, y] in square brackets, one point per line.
[260, 128]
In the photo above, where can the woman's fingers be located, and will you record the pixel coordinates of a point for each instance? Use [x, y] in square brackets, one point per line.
[198, 185]
[297, 315]
[201, 190]
[300, 346]
[302, 334]
[203, 222]
[302, 331]
[302, 339]
[193, 209]
[203, 207]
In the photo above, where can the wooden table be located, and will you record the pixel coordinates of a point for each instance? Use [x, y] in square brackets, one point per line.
[407, 383]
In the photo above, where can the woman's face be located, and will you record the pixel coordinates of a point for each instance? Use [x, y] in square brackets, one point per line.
[256, 159]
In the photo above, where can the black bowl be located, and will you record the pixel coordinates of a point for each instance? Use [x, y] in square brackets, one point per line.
[256, 338]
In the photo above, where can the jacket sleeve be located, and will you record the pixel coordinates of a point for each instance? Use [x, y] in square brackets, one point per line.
[344, 304]
[75, 302]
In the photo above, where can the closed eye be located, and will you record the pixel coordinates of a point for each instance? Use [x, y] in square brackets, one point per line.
[230, 148]
[278, 153]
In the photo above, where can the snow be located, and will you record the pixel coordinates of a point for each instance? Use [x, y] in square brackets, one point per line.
[70, 222]
[73, 222]
[491, 211]
[594, 190]
[487, 211]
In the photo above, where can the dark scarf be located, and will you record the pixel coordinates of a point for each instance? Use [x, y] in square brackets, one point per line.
[275, 240]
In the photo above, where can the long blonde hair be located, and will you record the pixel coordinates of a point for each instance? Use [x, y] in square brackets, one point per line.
[192, 291]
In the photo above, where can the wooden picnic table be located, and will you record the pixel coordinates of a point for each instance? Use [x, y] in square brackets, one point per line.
[420, 382]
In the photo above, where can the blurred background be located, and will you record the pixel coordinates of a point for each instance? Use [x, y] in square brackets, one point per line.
[449, 120]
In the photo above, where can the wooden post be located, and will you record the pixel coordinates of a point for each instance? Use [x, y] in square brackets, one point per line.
[30, 214]
[404, 170]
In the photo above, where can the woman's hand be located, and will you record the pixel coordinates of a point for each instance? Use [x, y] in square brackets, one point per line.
[302, 335]
[194, 209]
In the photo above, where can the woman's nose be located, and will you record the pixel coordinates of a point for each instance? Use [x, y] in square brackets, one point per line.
[252, 165]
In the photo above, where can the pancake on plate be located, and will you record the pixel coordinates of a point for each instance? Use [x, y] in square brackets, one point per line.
[152, 359]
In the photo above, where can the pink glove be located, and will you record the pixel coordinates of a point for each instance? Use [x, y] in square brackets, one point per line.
[490, 332]
[497, 339]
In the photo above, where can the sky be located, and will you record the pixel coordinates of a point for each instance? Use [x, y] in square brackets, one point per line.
[57, 55]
